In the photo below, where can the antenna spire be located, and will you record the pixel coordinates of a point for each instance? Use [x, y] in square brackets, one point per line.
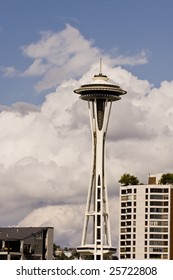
[101, 65]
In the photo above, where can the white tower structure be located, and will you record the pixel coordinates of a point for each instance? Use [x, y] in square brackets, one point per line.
[96, 238]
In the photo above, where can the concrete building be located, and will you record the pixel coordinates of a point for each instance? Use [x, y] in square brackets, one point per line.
[26, 243]
[146, 221]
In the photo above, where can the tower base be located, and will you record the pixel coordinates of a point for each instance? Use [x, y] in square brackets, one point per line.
[87, 252]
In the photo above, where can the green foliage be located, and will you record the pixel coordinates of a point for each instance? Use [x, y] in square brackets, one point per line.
[166, 179]
[127, 179]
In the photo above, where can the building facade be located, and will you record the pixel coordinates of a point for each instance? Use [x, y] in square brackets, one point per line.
[146, 221]
[26, 243]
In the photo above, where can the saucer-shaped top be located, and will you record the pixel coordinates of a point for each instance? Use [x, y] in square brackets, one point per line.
[100, 89]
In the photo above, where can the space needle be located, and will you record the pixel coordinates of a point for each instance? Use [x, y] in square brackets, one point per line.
[96, 237]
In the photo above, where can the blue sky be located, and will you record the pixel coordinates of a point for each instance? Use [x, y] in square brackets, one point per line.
[115, 27]
[48, 49]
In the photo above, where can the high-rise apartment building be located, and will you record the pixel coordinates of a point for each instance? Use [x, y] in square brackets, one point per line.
[146, 221]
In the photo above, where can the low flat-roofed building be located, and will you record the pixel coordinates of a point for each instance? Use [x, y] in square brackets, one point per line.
[26, 243]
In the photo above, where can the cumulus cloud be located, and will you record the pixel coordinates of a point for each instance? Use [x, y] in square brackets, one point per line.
[65, 54]
[51, 215]
[20, 107]
[45, 155]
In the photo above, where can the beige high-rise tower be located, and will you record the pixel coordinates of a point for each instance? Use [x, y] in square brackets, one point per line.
[146, 221]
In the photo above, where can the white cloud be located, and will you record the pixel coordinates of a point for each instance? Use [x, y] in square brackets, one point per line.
[20, 107]
[10, 72]
[61, 55]
[140, 58]
[54, 215]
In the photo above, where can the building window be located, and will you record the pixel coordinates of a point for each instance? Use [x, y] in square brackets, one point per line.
[123, 217]
[158, 236]
[128, 249]
[128, 256]
[158, 249]
[123, 191]
[128, 204]
[122, 256]
[158, 223]
[123, 204]
[158, 216]
[159, 210]
[155, 256]
[158, 196]
[122, 250]
[129, 190]
[159, 190]
[158, 203]
[128, 217]
[158, 229]
[158, 243]
[123, 198]
[123, 236]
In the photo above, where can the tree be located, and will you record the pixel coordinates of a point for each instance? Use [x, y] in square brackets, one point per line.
[166, 179]
[127, 179]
